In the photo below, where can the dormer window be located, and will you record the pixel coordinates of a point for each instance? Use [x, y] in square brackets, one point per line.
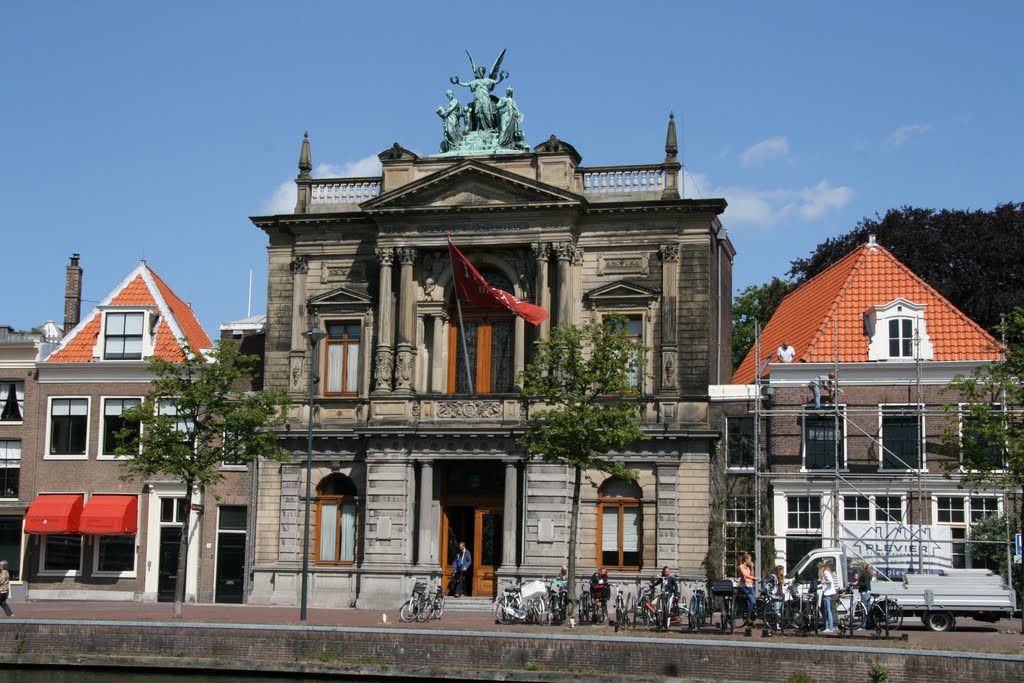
[126, 333]
[898, 331]
[122, 338]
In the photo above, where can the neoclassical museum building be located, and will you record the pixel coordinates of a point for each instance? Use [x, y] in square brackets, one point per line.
[409, 455]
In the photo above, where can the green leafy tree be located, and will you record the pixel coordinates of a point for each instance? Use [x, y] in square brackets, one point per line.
[197, 415]
[987, 429]
[753, 308]
[970, 257]
[580, 397]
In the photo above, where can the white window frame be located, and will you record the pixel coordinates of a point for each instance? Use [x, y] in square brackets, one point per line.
[94, 541]
[100, 455]
[51, 572]
[966, 525]
[150, 315]
[645, 387]
[49, 428]
[961, 414]
[843, 446]
[914, 409]
[21, 404]
[6, 459]
[869, 507]
[877, 518]
[878, 347]
[805, 531]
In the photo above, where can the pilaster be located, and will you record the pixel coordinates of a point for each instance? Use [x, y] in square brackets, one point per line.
[406, 351]
[669, 370]
[384, 360]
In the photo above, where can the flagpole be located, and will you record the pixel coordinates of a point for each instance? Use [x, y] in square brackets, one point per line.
[462, 328]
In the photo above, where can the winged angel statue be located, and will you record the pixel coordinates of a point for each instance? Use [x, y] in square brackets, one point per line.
[492, 123]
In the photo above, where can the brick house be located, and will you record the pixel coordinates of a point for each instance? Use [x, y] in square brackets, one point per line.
[864, 468]
[409, 458]
[91, 534]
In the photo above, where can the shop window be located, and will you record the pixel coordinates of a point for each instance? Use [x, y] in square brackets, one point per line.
[336, 507]
[620, 516]
[10, 544]
[115, 554]
[62, 554]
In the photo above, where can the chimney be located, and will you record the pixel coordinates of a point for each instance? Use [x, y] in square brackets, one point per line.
[72, 295]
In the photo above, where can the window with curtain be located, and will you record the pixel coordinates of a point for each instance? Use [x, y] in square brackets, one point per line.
[620, 524]
[122, 336]
[69, 422]
[12, 401]
[342, 358]
[10, 467]
[336, 507]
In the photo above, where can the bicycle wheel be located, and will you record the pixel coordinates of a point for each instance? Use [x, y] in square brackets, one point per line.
[407, 612]
[586, 609]
[620, 609]
[423, 609]
[501, 614]
[772, 619]
[893, 614]
[848, 622]
[695, 615]
[438, 609]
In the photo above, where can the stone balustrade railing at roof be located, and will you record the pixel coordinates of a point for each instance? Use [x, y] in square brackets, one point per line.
[621, 179]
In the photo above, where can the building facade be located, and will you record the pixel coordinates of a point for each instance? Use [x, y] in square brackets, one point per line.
[850, 441]
[90, 534]
[409, 457]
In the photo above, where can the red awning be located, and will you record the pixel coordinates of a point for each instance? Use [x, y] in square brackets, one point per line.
[110, 516]
[53, 514]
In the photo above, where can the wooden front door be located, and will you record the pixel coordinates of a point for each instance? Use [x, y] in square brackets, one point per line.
[486, 550]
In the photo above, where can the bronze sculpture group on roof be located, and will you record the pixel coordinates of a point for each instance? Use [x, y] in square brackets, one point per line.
[487, 125]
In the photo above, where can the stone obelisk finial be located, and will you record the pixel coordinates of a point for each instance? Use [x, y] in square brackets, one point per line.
[671, 148]
[671, 165]
[305, 159]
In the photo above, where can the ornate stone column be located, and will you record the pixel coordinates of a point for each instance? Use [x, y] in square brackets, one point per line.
[385, 359]
[669, 318]
[576, 285]
[298, 267]
[406, 350]
[438, 368]
[564, 252]
[508, 519]
[427, 543]
[542, 253]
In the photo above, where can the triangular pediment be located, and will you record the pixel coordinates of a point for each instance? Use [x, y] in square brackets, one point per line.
[621, 292]
[342, 296]
[469, 185]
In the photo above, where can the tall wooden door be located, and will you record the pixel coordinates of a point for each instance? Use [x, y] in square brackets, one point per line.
[487, 544]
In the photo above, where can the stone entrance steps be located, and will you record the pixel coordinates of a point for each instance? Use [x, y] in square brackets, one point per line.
[468, 604]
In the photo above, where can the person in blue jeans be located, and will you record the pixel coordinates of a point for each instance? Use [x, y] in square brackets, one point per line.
[463, 563]
[747, 579]
[828, 582]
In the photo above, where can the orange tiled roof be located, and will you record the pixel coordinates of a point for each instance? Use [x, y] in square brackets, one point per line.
[142, 287]
[824, 316]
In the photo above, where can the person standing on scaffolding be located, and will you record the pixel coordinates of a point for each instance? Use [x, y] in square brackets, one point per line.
[823, 384]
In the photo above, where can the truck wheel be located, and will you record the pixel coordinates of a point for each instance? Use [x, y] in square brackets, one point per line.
[939, 621]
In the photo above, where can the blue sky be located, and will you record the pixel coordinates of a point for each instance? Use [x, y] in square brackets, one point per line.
[153, 130]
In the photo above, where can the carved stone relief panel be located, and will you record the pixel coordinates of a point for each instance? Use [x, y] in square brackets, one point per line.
[468, 410]
[339, 271]
[622, 264]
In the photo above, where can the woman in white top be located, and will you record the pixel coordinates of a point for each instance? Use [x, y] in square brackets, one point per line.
[825, 575]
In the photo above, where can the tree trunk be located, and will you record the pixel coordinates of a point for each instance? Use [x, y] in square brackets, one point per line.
[179, 580]
[574, 518]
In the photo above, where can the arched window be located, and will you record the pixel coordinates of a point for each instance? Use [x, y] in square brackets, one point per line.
[335, 520]
[490, 340]
[620, 524]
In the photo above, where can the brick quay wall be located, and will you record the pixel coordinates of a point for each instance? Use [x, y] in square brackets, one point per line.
[411, 654]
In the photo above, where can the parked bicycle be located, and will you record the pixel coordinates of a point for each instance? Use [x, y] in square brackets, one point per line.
[800, 610]
[558, 601]
[700, 605]
[884, 614]
[725, 592]
[644, 610]
[422, 605]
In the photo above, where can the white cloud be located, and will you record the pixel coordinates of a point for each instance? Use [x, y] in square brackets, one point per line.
[283, 199]
[765, 208]
[764, 151]
[900, 135]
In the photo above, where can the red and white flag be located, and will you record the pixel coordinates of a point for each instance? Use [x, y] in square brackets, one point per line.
[471, 286]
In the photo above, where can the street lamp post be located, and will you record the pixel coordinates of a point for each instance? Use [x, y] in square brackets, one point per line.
[313, 335]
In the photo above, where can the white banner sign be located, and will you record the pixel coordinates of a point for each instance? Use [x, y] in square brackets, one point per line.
[894, 550]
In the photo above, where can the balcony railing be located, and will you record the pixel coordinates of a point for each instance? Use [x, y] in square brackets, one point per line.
[343, 190]
[616, 179]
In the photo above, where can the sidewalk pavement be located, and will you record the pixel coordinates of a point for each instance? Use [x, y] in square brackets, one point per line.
[1003, 637]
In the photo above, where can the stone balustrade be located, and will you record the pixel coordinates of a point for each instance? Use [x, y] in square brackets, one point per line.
[344, 190]
[616, 179]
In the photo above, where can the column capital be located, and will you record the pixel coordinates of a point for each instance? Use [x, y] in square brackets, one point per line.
[669, 252]
[541, 250]
[386, 255]
[563, 250]
[298, 265]
[406, 255]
